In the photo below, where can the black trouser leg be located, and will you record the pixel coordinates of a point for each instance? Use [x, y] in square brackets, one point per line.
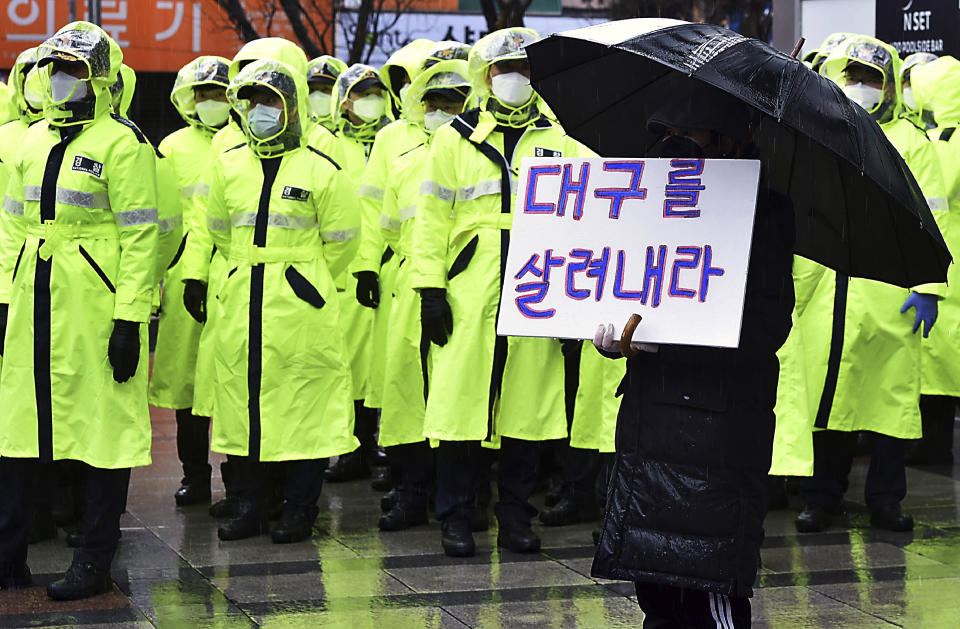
[669, 607]
[938, 413]
[459, 463]
[249, 484]
[414, 463]
[832, 458]
[104, 497]
[303, 484]
[580, 468]
[18, 480]
[193, 444]
[887, 476]
[516, 481]
[365, 426]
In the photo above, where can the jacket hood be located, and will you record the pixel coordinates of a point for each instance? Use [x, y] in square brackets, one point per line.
[936, 86]
[408, 58]
[325, 68]
[828, 46]
[276, 48]
[25, 62]
[445, 50]
[453, 74]
[88, 44]
[502, 45]
[291, 85]
[878, 55]
[121, 92]
[207, 70]
[345, 82]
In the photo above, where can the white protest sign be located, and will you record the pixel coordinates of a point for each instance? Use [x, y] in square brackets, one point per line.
[595, 240]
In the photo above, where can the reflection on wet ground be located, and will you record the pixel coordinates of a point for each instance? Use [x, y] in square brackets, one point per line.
[171, 571]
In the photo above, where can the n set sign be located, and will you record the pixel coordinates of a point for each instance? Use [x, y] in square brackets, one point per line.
[920, 25]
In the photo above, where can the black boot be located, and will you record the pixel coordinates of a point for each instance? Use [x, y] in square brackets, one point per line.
[382, 478]
[570, 511]
[193, 491]
[347, 468]
[15, 576]
[457, 539]
[814, 519]
[228, 506]
[389, 500]
[193, 445]
[82, 580]
[250, 522]
[890, 518]
[410, 510]
[296, 525]
[518, 537]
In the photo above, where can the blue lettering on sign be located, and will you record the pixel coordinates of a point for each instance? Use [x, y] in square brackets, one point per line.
[530, 206]
[617, 196]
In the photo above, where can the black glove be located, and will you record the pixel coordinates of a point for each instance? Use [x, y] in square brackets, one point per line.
[368, 289]
[195, 299]
[436, 319]
[124, 349]
[4, 308]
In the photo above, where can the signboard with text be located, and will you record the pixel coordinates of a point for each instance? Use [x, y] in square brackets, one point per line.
[595, 240]
[920, 25]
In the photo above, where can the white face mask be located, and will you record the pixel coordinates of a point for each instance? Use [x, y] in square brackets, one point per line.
[908, 98]
[66, 88]
[369, 108]
[864, 95]
[512, 89]
[435, 119]
[213, 113]
[264, 122]
[320, 103]
[403, 93]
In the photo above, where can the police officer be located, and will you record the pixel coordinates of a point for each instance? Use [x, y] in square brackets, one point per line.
[322, 73]
[80, 290]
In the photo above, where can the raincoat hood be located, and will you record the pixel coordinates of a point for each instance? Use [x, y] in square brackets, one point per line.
[121, 92]
[90, 45]
[347, 80]
[207, 70]
[828, 46]
[936, 86]
[276, 48]
[502, 45]
[291, 85]
[453, 74]
[445, 50]
[875, 54]
[408, 58]
[325, 69]
[25, 62]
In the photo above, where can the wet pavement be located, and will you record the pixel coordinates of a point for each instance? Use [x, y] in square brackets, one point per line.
[171, 570]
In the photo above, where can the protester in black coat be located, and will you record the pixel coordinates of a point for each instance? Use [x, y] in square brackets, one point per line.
[688, 492]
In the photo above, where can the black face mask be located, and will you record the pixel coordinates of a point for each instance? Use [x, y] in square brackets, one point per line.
[678, 146]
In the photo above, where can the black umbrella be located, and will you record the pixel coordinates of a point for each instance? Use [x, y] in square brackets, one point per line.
[858, 208]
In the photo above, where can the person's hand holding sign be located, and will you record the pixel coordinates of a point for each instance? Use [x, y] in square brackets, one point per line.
[612, 346]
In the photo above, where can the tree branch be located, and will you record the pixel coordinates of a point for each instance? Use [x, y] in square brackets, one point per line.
[294, 12]
[238, 19]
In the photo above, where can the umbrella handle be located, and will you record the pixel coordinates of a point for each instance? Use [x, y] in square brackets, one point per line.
[627, 335]
[798, 47]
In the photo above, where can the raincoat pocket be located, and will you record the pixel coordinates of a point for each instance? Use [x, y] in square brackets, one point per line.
[302, 288]
[463, 258]
[96, 268]
[179, 254]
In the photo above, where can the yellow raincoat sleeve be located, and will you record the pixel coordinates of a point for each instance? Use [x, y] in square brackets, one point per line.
[389, 222]
[199, 249]
[133, 200]
[169, 217]
[340, 227]
[434, 218]
[370, 191]
[12, 229]
[217, 227]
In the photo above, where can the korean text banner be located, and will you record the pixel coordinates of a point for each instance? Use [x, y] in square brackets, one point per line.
[595, 240]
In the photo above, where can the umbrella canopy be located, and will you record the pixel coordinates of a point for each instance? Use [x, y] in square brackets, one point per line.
[858, 208]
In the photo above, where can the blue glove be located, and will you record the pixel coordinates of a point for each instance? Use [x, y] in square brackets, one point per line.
[926, 306]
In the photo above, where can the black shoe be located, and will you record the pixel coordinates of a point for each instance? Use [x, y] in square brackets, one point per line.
[81, 581]
[456, 539]
[15, 576]
[890, 517]
[348, 467]
[73, 537]
[295, 526]
[389, 500]
[225, 508]
[519, 538]
[568, 511]
[403, 516]
[42, 529]
[382, 479]
[192, 492]
[242, 527]
[814, 519]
